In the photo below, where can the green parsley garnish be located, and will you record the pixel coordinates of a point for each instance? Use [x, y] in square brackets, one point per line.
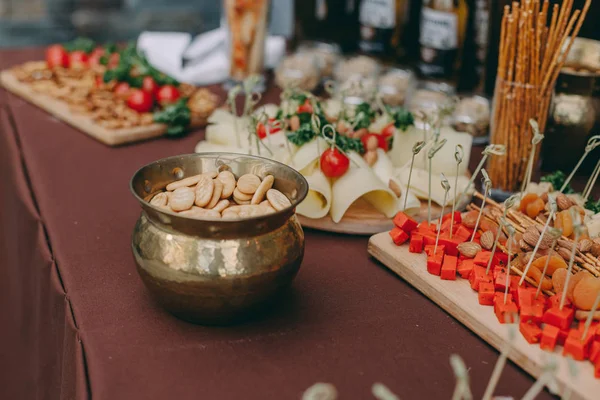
[557, 179]
[176, 116]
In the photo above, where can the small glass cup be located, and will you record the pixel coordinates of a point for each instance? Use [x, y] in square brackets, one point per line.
[395, 86]
[247, 25]
[472, 115]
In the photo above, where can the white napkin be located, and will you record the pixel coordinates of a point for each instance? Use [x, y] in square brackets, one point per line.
[210, 63]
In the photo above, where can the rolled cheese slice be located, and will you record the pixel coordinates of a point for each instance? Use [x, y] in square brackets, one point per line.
[419, 184]
[318, 200]
[360, 181]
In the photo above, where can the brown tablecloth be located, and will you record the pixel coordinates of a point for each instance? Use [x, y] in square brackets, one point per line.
[76, 321]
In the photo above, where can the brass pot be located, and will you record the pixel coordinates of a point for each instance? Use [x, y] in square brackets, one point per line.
[574, 114]
[214, 271]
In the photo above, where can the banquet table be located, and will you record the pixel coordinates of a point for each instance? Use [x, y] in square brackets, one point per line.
[77, 323]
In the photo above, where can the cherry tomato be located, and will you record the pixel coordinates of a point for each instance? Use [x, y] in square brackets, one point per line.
[388, 130]
[140, 101]
[57, 56]
[78, 59]
[113, 60]
[383, 143]
[149, 85]
[95, 56]
[167, 94]
[275, 125]
[305, 108]
[122, 90]
[261, 129]
[334, 163]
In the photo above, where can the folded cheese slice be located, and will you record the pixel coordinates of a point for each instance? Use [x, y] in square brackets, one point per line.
[419, 184]
[306, 155]
[318, 200]
[360, 181]
[384, 170]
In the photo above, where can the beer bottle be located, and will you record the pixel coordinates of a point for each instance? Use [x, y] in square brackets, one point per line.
[442, 32]
[381, 25]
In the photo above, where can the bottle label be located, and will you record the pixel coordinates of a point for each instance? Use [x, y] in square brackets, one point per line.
[377, 23]
[439, 43]
[481, 29]
[439, 29]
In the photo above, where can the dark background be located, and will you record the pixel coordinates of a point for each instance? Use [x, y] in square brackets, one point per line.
[34, 22]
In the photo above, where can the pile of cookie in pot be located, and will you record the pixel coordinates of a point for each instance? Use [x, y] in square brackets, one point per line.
[213, 195]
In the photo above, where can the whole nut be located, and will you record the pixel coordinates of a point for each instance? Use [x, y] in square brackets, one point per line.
[544, 197]
[342, 127]
[585, 245]
[531, 236]
[360, 133]
[564, 253]
[487, 240]
[469, 249]
[370, 157]
[596, 247]
[372, 143]
[294, 123]
[563, 202]
[524, 246]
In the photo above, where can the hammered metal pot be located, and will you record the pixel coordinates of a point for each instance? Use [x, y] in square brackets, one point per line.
[215, 271]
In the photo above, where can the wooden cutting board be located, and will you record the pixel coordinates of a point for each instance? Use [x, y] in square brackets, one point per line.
[460, 301]
[60, 109]
[363, 219]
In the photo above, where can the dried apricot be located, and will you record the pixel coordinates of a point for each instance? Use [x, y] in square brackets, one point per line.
[558, 279]
[555, 263]
[563, 221]
[575, 279]
[536, 275]
[585, 293]
[535, 207]
[528, 198]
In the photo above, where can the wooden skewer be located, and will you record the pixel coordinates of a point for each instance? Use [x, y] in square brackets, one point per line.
[488, 186]
[417, 147]
[573, 372]
[446, 187]
[458, 156]
[570, 269]
[544, 379]
[437, 146]
[555, 233]
[592, 143]
[588, 321]
[497, 372]
[552, 203]
[511, 238]
[591, 182]
[462, 390]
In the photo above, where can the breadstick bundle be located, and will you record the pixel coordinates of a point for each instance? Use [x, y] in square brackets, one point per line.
[534, 44]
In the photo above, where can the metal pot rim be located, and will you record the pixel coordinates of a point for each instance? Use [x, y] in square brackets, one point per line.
[214, 225]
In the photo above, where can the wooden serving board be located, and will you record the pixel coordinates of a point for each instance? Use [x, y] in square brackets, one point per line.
[60, 109]
[363, 219]
[459, 300]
